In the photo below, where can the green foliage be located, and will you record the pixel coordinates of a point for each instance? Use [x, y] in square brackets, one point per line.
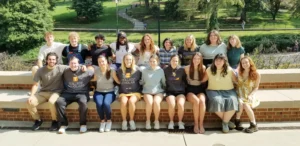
[52, 4]
[296, 9]
[23, 23]
[171, 9]
[87, 10]
[188, 8]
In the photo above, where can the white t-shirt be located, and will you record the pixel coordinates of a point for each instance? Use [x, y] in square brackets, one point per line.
[144, 59]
[55, 47]
[122, 51]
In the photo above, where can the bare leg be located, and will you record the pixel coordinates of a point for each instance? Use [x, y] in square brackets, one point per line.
[228, 115]
[180, 105]
[149, 102]
[202, 110]
[171, 104]
[250, 113]
[195, 101]
[133, 99]
[123, 109]
[156, 105]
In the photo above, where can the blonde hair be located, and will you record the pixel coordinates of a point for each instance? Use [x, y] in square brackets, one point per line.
[48, 33]
[193, 45]
[132, 67]
[238, 42]
[74, 34]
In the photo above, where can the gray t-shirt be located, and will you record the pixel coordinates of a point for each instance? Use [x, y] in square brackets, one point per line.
[77, 81]
[50, 79]
[209, 52]
[104, 85]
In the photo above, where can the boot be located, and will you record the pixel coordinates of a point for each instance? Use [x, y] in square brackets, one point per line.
[238, 125]
[252, 128]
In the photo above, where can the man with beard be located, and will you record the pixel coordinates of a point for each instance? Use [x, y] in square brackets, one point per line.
[50, 77]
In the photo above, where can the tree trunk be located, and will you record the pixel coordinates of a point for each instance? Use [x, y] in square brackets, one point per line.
[243, 15]
[147, 4]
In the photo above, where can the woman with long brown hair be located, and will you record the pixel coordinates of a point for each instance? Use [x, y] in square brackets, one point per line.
[195, 92]
[146, 48]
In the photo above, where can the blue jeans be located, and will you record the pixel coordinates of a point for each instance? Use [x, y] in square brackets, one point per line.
[103, 101]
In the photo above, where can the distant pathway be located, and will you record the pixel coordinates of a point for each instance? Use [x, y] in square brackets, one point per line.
[138, 25]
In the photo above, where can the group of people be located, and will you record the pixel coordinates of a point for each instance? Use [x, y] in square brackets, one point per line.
[214, 77]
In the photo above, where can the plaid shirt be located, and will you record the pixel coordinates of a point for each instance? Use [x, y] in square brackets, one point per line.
[166, 55]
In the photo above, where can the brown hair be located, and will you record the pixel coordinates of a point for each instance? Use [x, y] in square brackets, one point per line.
[213, 67]
[219, 41]
[200, 67]
[108, 70]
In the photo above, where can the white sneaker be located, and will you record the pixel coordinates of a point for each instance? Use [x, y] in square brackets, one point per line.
[171, 125]
[102, 126]
[62, 129]
[83, 129]
[132, 125]
[156, 125]
[181, 125]
[124, 125]
[148, 125]
[108, 126]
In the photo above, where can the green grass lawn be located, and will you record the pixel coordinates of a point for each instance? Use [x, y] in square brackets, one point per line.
[66, 18]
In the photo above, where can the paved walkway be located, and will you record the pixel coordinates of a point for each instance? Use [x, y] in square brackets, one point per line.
[138, 25]
[140, 138]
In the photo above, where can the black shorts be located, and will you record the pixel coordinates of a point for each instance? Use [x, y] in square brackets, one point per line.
[174, 93]
[195, 89]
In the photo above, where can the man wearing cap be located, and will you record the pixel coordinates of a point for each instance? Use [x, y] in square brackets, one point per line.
[121, 47]
[99, 48]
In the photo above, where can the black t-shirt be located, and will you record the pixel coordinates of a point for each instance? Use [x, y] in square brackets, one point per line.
[186, 55]
[84, 51]
[97, 51]
[129, 81]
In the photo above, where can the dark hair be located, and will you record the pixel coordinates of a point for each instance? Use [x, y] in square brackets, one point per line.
[74, 57]
[108, 70]
[122, 34]
[200, 67]
[213, 67]
[100, 36]
[51, 54]
[175, 55]
[207, 41]
[167, 39]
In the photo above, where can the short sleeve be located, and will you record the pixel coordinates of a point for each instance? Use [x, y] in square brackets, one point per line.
[242, 50]
[41, 55]
[113, 46]
[36, 77]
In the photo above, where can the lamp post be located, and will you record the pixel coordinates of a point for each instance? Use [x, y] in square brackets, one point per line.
[117, 10]
[158, 23]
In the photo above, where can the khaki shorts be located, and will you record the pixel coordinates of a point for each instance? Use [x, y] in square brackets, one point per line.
[138, 95]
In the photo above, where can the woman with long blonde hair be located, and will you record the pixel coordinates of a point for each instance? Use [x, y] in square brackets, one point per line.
[188, 49]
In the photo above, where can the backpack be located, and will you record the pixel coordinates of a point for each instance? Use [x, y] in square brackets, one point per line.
[76, 54]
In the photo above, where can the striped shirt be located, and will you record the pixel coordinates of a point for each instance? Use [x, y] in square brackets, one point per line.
[165, 55]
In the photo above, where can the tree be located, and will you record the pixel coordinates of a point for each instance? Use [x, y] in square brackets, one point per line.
[188, 8]
[23, 23]
[147, 4]
[271, 6]
[250, 5]
[170, 9]
[296, 9]
[87, 9]
[213, 8]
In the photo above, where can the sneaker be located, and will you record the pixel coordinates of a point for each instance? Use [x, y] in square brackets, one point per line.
[156, 125]
[37, 124]
[132, 125]
[83, 129]
[225, 127]
[171, 125]
[124, 125]
[252, 128]
[54, 126]
[108, 126]
[102, 126]
[148, 125]
[62, 129]
[231, 125]
[238, 125]
[181, 125]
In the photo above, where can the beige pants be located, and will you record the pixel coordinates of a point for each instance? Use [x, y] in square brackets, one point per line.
[40, 98]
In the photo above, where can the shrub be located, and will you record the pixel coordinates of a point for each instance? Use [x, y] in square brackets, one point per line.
[13, 63]
[87, 9]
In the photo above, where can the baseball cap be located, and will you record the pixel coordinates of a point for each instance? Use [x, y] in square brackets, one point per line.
[122, 34]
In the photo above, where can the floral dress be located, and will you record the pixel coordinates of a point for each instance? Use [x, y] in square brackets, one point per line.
[245, 87]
